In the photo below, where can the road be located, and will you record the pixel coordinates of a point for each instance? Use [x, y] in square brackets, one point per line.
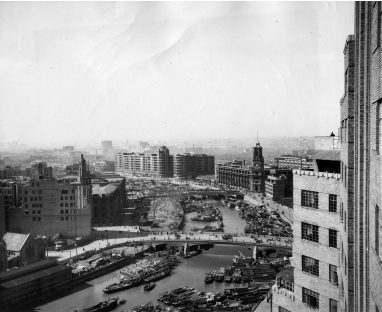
[145, 238]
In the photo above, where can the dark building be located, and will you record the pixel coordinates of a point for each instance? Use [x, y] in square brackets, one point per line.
[109, 199]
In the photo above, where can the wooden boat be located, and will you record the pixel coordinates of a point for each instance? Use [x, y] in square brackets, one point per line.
[122, 285]
[209, 278]
[149, 286]
[103, 306]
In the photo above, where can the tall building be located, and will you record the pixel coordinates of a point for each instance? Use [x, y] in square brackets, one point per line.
[192, 165]
[313, 282]
[12, 197]
[160, 164]
[359, 253]
[52, 206]
[363, 215]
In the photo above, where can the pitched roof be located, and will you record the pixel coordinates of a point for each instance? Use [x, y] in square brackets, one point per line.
[15, 241]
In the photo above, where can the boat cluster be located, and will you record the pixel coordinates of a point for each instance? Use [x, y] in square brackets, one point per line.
[146, 271]
[190, 299]
[229, 274]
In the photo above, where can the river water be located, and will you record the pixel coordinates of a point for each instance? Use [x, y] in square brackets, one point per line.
[190, 272]
[231, 219]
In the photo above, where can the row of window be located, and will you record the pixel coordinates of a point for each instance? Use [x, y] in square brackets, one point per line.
[33, 206]
[311, 266]
[312, 299]
[66, 197]
[32, 199]
[36, 219]
[67, 211]
[68, 218]
[67, 205]
[310, 199]
[33, 192]
[310, 232]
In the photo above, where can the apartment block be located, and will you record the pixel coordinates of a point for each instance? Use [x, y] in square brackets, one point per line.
[192, 165]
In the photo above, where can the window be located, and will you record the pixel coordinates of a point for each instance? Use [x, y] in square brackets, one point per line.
[333, 305]
[26, 212]
[34, 218]
[38, 211]
[67, 218]
[64, 192]
[341, 212]
[71, 205]
[333, 277]
[38, 184]
[61, 211]
[289, 286]
[62, 218]
[26, 192]
[66, 211]
[61, 205]
[332, 203]
[310, 265]
[66, 205]
[33, 212]
[377, 226]
[309, 232]
[310, 298]
[309, 199]
[281, 309]
[332, 238]
[39, 219]
[62, 198]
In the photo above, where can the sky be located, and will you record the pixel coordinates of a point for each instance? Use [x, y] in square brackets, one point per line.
[80, 72]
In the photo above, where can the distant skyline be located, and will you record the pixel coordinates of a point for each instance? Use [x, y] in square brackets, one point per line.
[82, 72]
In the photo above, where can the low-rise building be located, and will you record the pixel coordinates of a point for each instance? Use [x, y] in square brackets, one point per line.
[275, 187]
[294, 162]
[43, 277]
[23, 249]
[103, 166]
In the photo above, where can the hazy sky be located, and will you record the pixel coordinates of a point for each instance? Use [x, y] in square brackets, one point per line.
[75, 72]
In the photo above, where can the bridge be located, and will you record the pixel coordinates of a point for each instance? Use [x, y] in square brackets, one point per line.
[145, 239]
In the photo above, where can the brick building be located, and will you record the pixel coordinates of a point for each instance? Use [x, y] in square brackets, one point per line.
[316, 246]
[108, 202]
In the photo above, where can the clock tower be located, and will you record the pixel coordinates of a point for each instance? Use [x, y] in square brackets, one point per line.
[257, 157]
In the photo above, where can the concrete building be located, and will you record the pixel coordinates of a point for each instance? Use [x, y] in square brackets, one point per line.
[103, 166]
[52, 206]
[108, 202]
[191, 165]
[12, 198]
[72, 169]
[362, 222]
[3, 255]
[293, 162]
[156, 165]
[275, 187]
[316, 245]
[23, 249]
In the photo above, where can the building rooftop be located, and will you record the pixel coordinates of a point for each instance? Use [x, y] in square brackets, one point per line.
[104, 190]
[15, 241]
[334, 155]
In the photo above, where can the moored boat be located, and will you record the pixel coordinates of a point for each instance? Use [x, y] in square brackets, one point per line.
[103, 306]
[122, 285]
